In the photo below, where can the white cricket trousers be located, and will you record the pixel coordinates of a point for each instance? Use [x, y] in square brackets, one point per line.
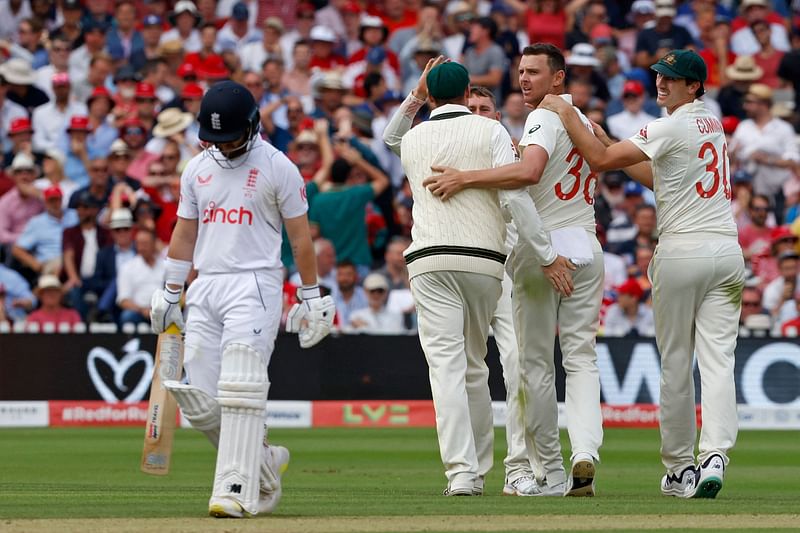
[453, 311]
[697, 290]
[518, 462]
[241, 307]
[541, 313]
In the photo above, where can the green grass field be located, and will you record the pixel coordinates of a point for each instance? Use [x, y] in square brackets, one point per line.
[372, 480]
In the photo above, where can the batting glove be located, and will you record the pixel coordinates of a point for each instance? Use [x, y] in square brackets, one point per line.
[312, 318]
[165, 309]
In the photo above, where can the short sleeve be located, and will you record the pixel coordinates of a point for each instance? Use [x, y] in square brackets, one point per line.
[291, 189]
[658, 137]
[540, 129]
[503, 150]
[187, 205]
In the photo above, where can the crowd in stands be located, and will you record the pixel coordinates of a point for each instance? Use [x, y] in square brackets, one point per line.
[98, 101]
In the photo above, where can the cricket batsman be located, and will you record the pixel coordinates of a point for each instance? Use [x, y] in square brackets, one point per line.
[235, 195]
[697, 271]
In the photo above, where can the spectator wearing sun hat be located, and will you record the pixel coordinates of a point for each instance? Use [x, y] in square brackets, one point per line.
[253, 55]
[53, 175]
[18, 75]
[22, 202]
[20, 134]
[50, 120]
[50, 293]
[323, 57]
[185, 19]
[629, 316]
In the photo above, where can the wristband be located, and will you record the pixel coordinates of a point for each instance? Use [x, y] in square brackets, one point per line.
[309, 292]
[172, 296]
[176, 271]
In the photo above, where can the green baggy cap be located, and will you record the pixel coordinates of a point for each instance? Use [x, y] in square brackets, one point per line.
[448, 80]
[683, 64]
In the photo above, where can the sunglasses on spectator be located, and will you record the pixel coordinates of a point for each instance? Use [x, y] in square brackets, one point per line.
[134, 131]
[380, 291]
[294, 109]
[118, 230]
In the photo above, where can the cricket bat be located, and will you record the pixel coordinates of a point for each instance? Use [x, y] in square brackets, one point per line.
[162, 409]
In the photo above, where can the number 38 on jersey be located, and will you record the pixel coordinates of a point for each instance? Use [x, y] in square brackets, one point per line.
[567, 191]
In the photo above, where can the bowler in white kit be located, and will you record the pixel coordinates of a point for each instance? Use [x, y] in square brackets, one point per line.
[235, 196]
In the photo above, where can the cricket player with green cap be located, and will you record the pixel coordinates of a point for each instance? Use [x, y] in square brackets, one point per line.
[697, 271]
[456, 263]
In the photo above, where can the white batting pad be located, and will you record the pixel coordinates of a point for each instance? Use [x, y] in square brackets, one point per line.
[242, 397]
[199, 408]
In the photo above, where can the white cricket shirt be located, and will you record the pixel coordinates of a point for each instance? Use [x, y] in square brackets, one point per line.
[690, 171]
[565, 194]
[240, 210]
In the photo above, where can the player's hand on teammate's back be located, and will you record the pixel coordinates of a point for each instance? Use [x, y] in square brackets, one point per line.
[445, 185]
[165, 309]
[311, 319]
[559, 273]
[554, 103]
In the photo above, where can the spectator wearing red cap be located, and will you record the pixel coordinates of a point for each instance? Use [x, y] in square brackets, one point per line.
[782, 240]
[253, 55]
[20, 133]
[76, 150]
[103, 131]
[633, 118]
[629, 316]
[351, 16]
[237, 32]
[146, 102]
[38, 248]
[50, 119]
[9, 111]
[304, 16]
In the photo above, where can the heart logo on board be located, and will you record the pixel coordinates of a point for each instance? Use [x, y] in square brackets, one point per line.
[133, 355]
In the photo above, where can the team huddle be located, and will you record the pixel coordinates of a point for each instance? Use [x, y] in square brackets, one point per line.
[500, 241]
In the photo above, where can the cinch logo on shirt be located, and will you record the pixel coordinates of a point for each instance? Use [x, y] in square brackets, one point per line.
[240, 216]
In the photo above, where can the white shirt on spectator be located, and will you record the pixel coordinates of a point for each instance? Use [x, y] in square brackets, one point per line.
[8, 112]
[89, 256]
[9, 22]
[383, 322]
[618, 324]
[49, 123]
[773, 293]
[190, 44]
[776, 138]
[136, 280]
[743, 41]
[616, 271]
[228, 40]
[626, 124]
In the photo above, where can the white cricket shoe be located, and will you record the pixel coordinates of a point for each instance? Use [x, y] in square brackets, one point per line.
[226, 508]
[709, 481]
[559, 489]
[522, 486]
[277, 460]
[682, 485]
[581, 479]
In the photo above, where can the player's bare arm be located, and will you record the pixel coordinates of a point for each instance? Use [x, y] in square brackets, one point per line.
[451, 181]
[619, 155]
[641, 172]
[302, 248]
